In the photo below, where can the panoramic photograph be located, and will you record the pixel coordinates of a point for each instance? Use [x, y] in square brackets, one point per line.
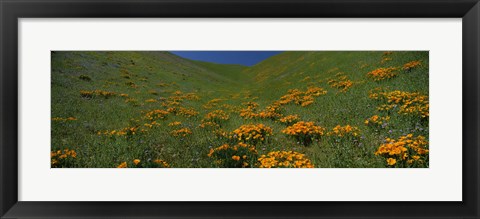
[239, 109]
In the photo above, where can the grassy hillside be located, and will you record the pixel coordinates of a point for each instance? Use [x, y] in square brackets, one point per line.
[155, 109]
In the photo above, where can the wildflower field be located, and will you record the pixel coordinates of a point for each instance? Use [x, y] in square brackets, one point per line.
[293, 110]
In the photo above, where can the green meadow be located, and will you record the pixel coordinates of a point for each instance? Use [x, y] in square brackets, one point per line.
[359, 109]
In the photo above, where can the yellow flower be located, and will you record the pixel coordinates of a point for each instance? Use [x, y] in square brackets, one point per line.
[383, 73]
[252, 133]
[240, 150]
[407, 103]
[288, 159]
[391, 161]
[289, 119]
[341, 131]
[181, 132]
[340, 82]
[411, 65]
[122, 165]
[136, 161]
[162, 162]
[174, 123]
[217, 116]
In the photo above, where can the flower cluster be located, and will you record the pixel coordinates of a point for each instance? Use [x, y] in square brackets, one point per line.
[407, 103]
[375, 93]
[126, 132]
[406, 151]
[217, 116]
[212, 103]
[315, 91]
[304, 132]
[150, 101]
[239, 155]
[174, 123]
[209, 125]
[222, 134]
[156, 114]
[285, 159]
[251, 105]
[137, 163]
[64, 119]
[62, 158]
[96, 93]
[182, 111]
[252, 133]
[411, 65]
[383, 73]
[270, 112]
[376, 120]
[340, 82]
[122, 165]
[385, 59]
[230, 108]
[181, 132]
[290, 119]
[170, 103]
[161, 163]
[344, 131]
[151, 124]
[179, 96]
[132, 101]
[300, 98]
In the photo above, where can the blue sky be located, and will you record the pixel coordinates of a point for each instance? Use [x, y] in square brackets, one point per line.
[247, 58]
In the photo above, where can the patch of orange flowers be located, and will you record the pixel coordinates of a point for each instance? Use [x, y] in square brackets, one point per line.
[238, 155]
[182, 111]
[340, 82]
[127, 132]
[377, 120]
[252, 133]
[181, 132]
[383, 73]
[217, 116]
[304, 132]
[156, 114]
[405, 151]
[64, 119]
[407, 103]
[411, 65]
[284, 159]
[62, 158]
[290, 119]
[344, 131]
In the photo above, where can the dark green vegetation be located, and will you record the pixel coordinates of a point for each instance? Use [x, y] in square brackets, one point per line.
[83, 120]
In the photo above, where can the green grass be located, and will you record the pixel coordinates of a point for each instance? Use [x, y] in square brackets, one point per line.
[156, 75]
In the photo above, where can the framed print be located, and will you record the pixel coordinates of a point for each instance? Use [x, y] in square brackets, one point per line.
[239, 109]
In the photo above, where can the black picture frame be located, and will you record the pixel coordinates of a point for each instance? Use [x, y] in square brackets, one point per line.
[12, 10]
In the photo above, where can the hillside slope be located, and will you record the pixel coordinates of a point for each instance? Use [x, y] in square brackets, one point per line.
[115, 107]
